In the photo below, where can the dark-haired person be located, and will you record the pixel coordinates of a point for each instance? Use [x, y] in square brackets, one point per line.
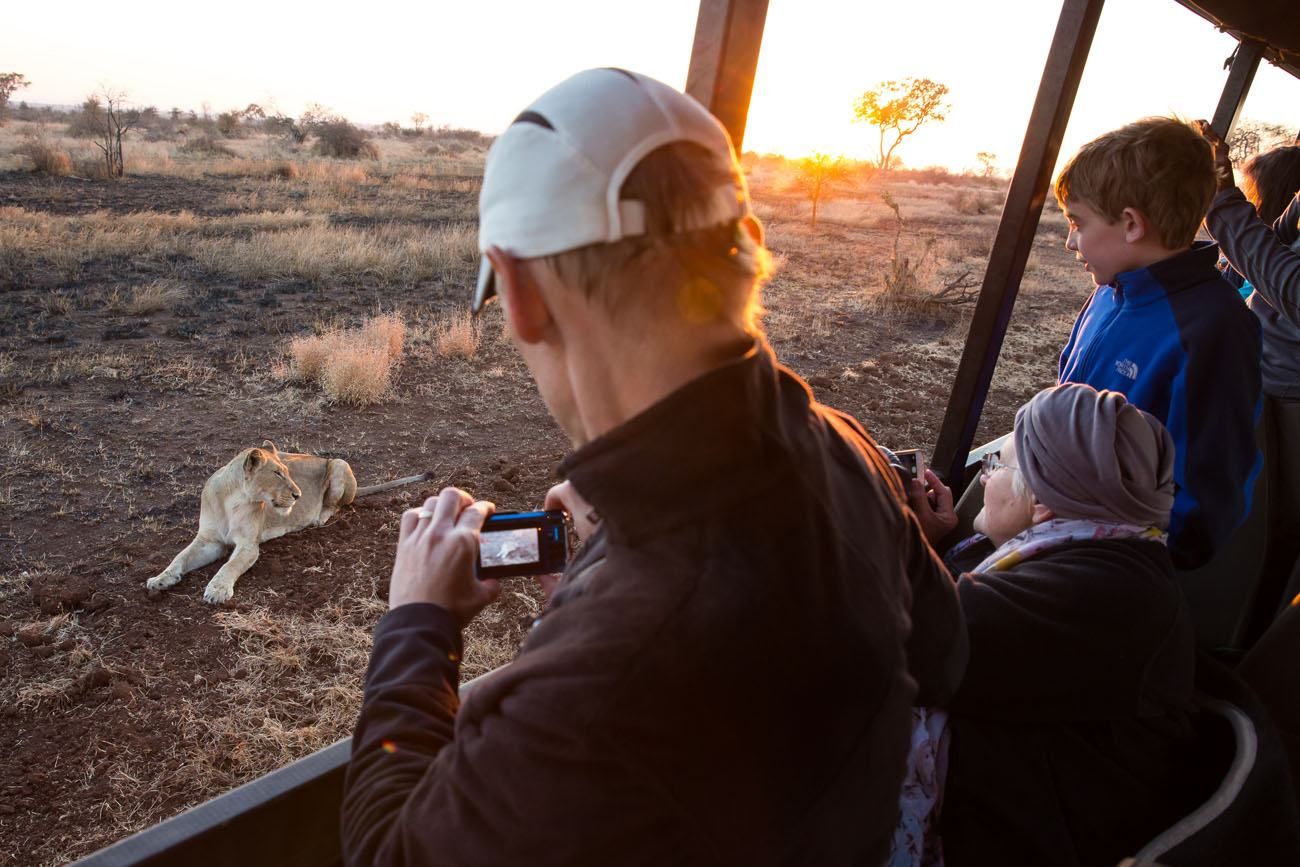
[725, 673]
[1258, 230]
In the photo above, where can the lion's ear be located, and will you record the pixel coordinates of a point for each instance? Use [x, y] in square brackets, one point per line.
[267, 444]
[255, 459]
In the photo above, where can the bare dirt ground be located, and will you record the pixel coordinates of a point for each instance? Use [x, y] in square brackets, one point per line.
[142, 325]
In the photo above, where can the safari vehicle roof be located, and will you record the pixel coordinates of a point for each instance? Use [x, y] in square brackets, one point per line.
[1275, 23]
[291, 816]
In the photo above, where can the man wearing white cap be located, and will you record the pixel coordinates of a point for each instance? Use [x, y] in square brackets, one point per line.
[724, 674]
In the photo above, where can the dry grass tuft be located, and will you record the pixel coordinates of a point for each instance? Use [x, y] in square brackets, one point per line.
[387, 330]
[47, 158]
[970, 203]
[287, 170]
[155, 297]
[352, 366]
[358, 374]
[456, 335]
[338, 177]
[58, 304]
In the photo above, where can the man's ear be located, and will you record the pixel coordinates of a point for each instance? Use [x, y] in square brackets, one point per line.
[1041, 513]
[255, 459]
[1135, 223]
[521, 298]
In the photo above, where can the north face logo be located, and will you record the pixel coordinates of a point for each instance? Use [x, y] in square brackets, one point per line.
[1127, 368]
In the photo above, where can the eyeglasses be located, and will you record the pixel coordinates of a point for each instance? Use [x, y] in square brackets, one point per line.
[992, 462]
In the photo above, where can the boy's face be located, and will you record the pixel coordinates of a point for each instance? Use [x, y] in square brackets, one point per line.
[1101, 245]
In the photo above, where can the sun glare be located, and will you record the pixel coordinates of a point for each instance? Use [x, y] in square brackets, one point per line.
[818, 56]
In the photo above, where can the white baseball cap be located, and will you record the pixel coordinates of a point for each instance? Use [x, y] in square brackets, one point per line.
[552, 179]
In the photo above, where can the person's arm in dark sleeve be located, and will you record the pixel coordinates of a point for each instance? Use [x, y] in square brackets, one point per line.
[937, 648]
[1258, 252]
[407, 716]
[536, 777]
[1213, 409]
[1287, 226]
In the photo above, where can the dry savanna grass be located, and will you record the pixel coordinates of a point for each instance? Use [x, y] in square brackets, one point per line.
[352, 366]
[456, 335]
[269, 244]
[47, 158]
[155, 296]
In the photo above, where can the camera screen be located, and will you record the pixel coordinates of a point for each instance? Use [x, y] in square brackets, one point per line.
[509, 547]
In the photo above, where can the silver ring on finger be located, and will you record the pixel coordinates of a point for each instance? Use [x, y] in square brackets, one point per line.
[423, 514]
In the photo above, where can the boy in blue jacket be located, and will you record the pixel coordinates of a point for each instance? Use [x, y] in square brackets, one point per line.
[1162, 326]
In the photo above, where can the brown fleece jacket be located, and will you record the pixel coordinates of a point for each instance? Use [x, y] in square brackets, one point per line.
[724, 677]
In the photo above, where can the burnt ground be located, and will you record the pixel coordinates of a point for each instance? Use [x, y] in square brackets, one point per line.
[121, 707]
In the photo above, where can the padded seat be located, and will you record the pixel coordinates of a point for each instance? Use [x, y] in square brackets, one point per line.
[1251, 817]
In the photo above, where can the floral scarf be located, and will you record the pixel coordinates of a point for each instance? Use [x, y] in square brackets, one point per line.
[1053, 534]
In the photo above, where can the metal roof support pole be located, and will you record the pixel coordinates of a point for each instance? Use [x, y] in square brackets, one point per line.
[1241, 73]
[728, 34]
[1015, 235]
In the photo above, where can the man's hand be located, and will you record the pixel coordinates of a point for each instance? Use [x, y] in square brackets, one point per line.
[1223, 178]
[933, 508]
[436, 552]
[565, 496]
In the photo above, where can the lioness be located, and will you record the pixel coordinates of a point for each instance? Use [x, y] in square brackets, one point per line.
[261, 494]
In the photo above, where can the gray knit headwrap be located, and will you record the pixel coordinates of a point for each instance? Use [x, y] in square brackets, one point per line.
[1092, 454]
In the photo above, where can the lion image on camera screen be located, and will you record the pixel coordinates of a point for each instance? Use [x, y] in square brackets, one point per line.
[262, 494]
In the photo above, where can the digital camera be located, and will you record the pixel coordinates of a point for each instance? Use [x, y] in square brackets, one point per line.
[516, 544]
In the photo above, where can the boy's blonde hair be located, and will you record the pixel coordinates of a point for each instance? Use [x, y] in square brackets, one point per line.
[714, 272]
[1159, 165]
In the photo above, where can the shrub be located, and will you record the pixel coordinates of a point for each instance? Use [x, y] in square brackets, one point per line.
[971, 203]
[153, 297]
[287, 170]
[309, 355]
[208, 146]
[388, 331]
[459, 134]
[339, 138]
[358, 373]
[456, 335]
[48, 159]
[353, 366]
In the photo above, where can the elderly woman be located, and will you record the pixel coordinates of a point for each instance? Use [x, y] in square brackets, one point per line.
[1068, 737]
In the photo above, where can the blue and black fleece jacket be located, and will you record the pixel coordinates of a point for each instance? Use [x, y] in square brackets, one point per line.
[1176, 340]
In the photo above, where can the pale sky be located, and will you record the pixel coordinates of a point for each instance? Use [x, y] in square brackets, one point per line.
[478, 63]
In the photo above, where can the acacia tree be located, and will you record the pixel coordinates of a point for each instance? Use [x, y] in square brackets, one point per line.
[817, 176]
[899, 108]
[113, 120]
[10, 82]
[988, 161]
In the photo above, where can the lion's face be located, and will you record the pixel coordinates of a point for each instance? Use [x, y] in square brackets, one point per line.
[267, 479]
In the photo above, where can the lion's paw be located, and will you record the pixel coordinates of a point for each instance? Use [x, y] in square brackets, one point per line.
[218, 592]
[162, 581]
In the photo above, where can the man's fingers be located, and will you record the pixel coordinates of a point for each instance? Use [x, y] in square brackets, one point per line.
[410, 518]
[555, 496]
[447, 507]
[474, 515]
